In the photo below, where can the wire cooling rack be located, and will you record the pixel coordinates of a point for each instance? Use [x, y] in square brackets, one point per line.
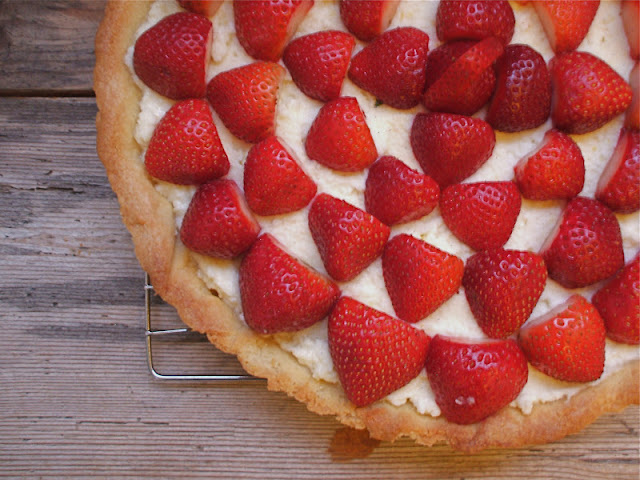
[170, 337]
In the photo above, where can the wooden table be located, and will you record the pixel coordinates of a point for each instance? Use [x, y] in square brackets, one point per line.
[76, 396]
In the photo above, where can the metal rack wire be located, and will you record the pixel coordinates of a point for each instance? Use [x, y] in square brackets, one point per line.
[177, 334]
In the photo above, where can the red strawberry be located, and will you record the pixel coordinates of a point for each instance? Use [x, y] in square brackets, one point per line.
[419, 277]
[566, 23]
[502, 288]
[218, 222]
[185, 147]
[171, 57]
[522, 97]
[392, 67]
[373, 353]
[481, 214]
[587, 92]
[619, 304]
[208, 8]
[630, 13]
[632, 120]
[245, 99]
[279, 293]
[619, 184]
[566, 343]
[367, 19]
[553, 171]
[348, 238]
[274, 182]
[264, 27]
[339, 137]
[585, 246]
[318, 62]
[448, 147]
[472, 380]
[395, 193]
[474, 20]
[465, 85]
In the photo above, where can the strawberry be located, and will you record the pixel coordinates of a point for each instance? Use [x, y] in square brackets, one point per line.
[483, 214]
[208, 8]
[619, 184]
[274, 182]
[318, 63]
[630, 13]
[553, 171]
[373, 353]
[245, 99]
[339, 137]
[502, 288]
[172, 56]
[472, 379]
[585, 246]
[279, 293]
[566, 343]
[474, 20]
[522, 97]
[366, 19]
[264, 27]
[185, 147]
[392, 67]
[218, 222]
[587, 92]
[395, 193]
[632, 119]
[419, 277]
[566, 23]
[464, 86]
[448, 147]
[348, 238]
[618, 302]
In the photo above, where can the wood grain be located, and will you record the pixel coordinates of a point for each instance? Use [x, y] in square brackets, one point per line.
[76, 397]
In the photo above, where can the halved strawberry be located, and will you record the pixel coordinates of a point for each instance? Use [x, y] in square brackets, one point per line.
[522, 97]
[630, 13]
[587, 92]
[373, 353]
[318, 62]
[366, 19]
[619, 184]
[172, 56]
[585, 246]
[218, 221]
[348, 238]
[274, 182]
[279, 293]
[448, 147]
[553, 171]
[208, 8]
[245, 99]
[475, 20]
[464, 86]
[566, 23]
[502, 288]
[185, 147]
[392, 67]
[395, 193]
[264, 27]
[419, 277]
[618, 302]
[482, 214]
[566, 343]
[632, 119]
[473, 379]
[339, 137]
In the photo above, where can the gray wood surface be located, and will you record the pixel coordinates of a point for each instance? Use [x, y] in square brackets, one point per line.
[76, 396]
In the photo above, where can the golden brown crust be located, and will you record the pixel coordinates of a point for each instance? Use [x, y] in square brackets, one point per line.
[149, 218]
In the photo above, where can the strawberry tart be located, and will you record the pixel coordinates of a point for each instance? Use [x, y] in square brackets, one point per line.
[418, 217]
